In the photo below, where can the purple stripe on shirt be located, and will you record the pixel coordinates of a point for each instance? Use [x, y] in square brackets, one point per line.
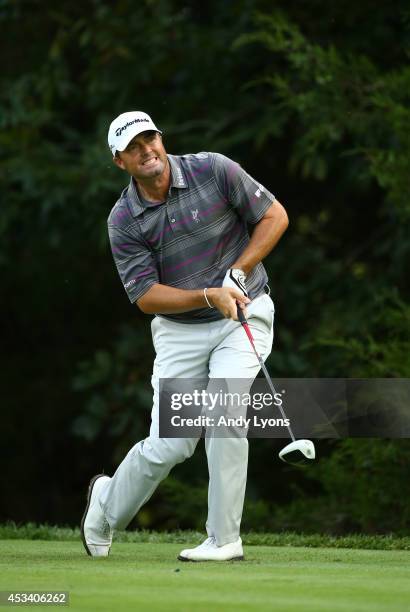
[203, 213]
[206, 253]
[149, 270]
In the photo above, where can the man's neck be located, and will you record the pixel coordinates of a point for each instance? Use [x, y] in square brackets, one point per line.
[155, 189]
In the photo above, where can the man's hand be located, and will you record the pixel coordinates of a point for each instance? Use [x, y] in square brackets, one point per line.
[226, 299]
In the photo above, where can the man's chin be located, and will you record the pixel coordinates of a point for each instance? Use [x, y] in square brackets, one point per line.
[156, 170]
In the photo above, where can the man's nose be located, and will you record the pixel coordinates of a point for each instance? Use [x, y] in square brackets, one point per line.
[145, 147]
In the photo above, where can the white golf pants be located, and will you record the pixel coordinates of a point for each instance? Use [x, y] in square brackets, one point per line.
[219, 349]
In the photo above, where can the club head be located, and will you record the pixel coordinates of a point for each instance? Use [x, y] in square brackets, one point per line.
[298, 452]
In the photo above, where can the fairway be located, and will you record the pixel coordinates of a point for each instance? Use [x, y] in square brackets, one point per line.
[144, 576]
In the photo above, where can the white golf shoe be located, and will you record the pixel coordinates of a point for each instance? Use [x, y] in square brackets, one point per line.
[95, 530]
[209, 551]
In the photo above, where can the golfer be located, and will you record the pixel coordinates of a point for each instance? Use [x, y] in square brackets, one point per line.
[180, 241]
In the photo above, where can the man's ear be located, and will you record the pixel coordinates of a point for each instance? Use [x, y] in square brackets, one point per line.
[118, 162]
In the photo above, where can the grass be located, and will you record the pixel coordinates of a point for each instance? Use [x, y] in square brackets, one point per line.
[33, 531]
[146, 575]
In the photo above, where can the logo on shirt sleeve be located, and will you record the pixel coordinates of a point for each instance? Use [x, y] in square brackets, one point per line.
[130, 283]
[195, 214]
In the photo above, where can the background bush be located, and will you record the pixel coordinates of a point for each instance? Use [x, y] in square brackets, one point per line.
[313, 99]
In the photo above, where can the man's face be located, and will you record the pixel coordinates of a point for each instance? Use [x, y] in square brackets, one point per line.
[144, 157]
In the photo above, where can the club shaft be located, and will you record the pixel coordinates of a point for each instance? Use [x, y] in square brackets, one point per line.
[245, 325]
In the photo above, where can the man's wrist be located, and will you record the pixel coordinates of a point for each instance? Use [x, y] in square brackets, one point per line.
[210, 294]
[207, 300]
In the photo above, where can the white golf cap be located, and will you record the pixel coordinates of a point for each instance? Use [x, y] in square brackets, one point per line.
[126, 126]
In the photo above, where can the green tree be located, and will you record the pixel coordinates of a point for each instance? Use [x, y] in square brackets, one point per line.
[311, 104]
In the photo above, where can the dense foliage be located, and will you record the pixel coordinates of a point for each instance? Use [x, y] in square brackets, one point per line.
[313, 99]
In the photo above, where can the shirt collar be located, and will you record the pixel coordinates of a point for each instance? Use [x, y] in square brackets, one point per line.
[177, 180]
[177, 176]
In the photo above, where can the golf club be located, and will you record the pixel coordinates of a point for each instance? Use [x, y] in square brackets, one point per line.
[298, 451]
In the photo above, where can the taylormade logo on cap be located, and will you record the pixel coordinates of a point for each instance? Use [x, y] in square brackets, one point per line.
[126, 126]
[120, 130]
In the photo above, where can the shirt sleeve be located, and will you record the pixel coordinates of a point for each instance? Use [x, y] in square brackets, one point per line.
[250, 199]
[134, 261]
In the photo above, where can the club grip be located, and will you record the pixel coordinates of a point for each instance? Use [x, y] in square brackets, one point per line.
[241, 316]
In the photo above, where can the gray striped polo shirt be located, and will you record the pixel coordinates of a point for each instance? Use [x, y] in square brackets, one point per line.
[191, 240]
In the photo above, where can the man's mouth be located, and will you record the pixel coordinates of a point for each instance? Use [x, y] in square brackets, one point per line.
[150, 162]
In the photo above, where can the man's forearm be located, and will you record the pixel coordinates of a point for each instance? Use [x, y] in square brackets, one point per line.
[266, 235]
[169, 300]
[162, 299]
